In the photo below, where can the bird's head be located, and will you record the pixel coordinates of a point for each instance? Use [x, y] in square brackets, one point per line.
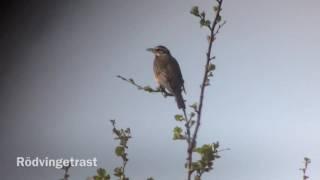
[159, 50]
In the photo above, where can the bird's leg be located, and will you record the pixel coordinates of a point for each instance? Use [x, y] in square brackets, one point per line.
[164, 92]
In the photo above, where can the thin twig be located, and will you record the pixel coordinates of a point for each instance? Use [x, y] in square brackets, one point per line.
[145, 88]
[307, 161]
[123, 136]
[124, 163]
[219, 27]
[66, 170]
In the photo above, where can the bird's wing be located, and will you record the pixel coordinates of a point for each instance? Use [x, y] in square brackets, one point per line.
[174, 75]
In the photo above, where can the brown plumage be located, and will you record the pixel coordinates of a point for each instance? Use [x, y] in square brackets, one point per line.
[168, 74]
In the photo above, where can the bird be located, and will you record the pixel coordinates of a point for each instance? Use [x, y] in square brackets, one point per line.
[168, 73]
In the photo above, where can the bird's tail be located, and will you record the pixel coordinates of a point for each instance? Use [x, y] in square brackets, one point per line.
[180, 100]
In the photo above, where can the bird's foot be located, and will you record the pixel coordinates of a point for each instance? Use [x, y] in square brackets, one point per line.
[164, 92]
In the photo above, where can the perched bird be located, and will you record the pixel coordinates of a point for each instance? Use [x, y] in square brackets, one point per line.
[168, 74]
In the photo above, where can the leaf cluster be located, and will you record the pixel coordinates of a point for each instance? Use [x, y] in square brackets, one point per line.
[123, 135]
[102, 174]
[204, 22]
[210, 69]
[178, 133]
[208, 153]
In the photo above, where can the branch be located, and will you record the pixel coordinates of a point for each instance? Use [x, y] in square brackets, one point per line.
[205, 77]
[123, 135]
[213, 31]
[145, 88]
[219, 27]
[307, 161]
[66, 170]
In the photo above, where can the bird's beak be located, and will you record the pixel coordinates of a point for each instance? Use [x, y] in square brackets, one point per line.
[150, 49]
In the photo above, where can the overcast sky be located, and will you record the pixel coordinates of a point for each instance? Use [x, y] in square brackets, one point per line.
[58, 86]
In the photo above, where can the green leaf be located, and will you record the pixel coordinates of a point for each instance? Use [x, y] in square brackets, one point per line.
[195, 166]
[107, 177]
[208, 23]
[118, 172]
[211, 67]
[101, 172]
[215, 8]
[204, 148]
[219, 18]
[127, 131]
[179, 117]
[194, 106]
[192, 122]
[119, 150]
[97, 178]
[177, 133]
[177, 130]
[202, 22]
[148, 89]
[216, 145]
[203, 14]
[195, 10]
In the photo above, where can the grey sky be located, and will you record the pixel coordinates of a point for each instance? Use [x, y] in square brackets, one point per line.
[61, 90]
